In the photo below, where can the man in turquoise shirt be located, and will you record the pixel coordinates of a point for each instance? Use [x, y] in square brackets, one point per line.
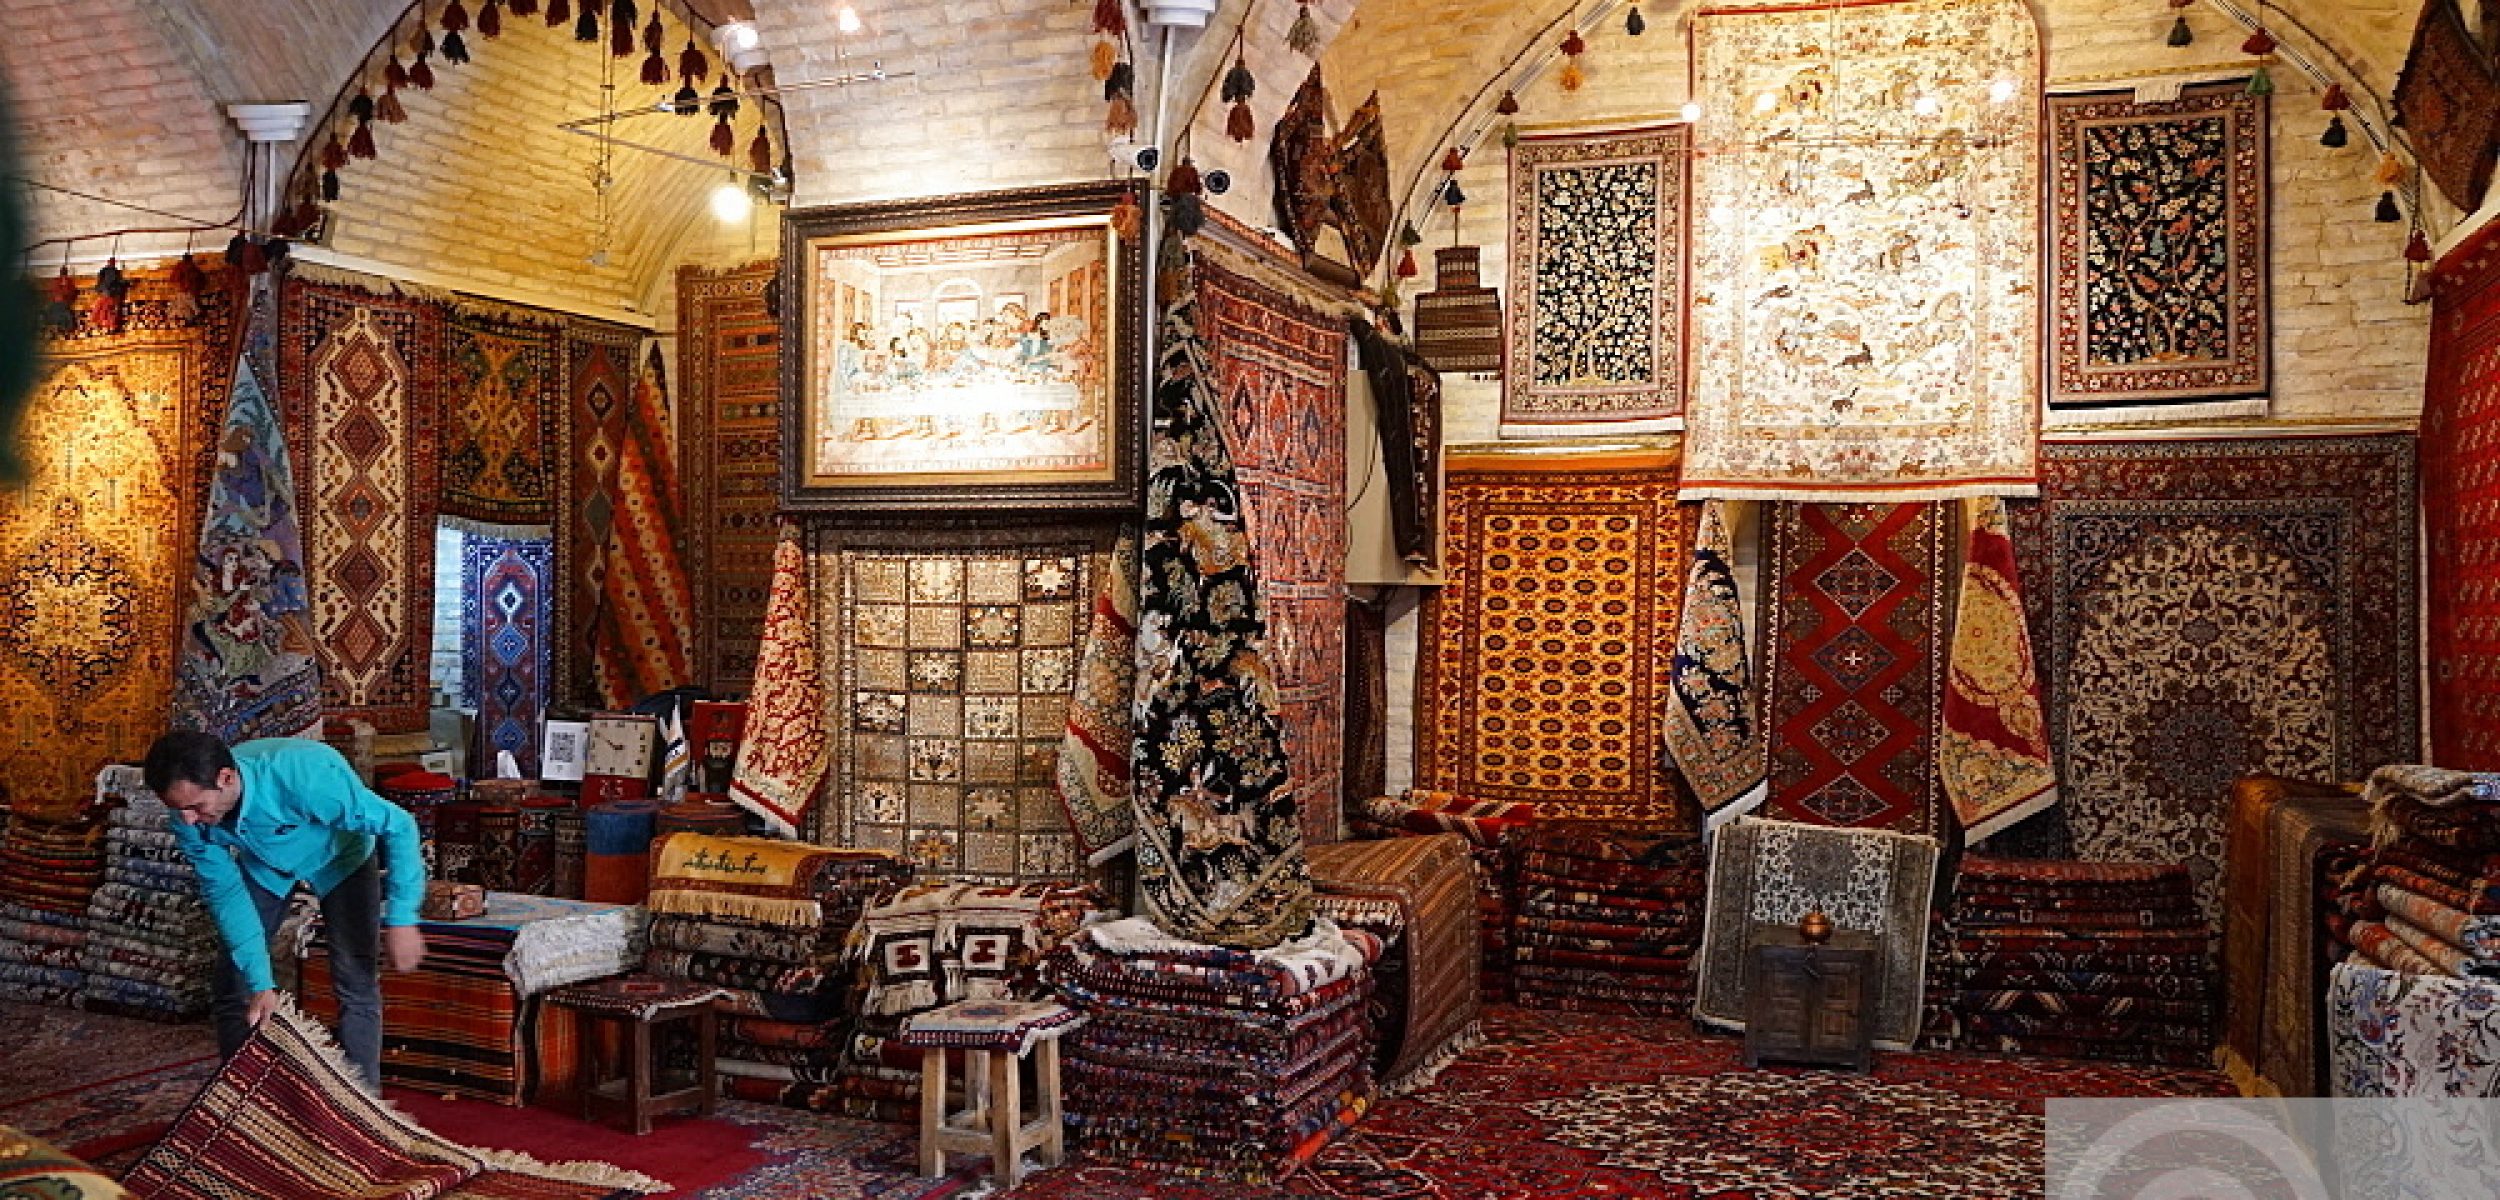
[260, 819]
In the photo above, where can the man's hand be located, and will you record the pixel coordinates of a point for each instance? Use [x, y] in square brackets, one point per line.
[403, 947]
[263, 1004]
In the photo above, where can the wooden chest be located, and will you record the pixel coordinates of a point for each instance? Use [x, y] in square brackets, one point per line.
[1809, 1004]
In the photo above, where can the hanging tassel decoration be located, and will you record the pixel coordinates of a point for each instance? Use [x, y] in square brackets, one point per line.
[189, 281]
[455, 17]
[760, 152]
[1239, 85]
[1452, 196]
[2391, 170]
[523, 8]
[394, 76]
[686, 102]
[455, 50]
[724, 100]
[490, 19]
[653, 37]
[1510, 135]
[329, 184]
[1127, 219]
[692, 66]
[61, 294]
[1303, 37]
[421, 72]
[361, 107]
[1508, 105]
[2333, 98]
[360, 143]
[586, 26]
[1571, 76]
[724, 138]
[558, 12]
[2335, 137]
[1188, 195]
[655, 71]
[1406, 264]
[1118, 91]
[2180, 34]
[1453, 160]
[2261, 82]
[2259, 43]
[334, 154]
[2418, 247]
[1633, 24]
[2387, 213]
[388, 107]
[1110, 18]
[1105, 54]
[621, 20]
[423, 44]
[110, 288]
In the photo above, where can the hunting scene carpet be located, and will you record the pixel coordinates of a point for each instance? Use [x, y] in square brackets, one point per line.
[1552, 1105]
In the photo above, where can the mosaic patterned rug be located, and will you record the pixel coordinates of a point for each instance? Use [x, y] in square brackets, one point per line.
[1586, 556]
[2461, 502]
[1598, 224]
[952, 657]
[2158, 296]
[598, 422]
[1809, 385]
[116, 439]
[729, 373]
[503, 394]
[1853, 660]
[1280, 374]
[642, 634]
[362, 381]
[2216, 608]
[505, 588]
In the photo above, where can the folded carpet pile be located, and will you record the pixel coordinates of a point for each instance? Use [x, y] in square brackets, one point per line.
[163, 967]
[1417, 895]
[1204, 1060]
[2107, 961]
[2433, 890]
[1608, 920]
[54, 869]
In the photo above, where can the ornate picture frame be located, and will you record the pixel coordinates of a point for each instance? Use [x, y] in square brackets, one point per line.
[982, 351]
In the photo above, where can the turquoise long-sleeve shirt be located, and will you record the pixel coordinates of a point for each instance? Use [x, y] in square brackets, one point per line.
[304, 817]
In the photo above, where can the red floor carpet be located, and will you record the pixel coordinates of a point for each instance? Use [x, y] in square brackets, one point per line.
[1554, 1105]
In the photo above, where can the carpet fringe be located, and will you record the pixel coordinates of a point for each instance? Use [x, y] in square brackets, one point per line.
[587, 1172]
[1426, 1072]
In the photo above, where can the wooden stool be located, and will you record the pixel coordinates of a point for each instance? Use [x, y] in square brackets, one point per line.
[993, 1034]
[642, 1003]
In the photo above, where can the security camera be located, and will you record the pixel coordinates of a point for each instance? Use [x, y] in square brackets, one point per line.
[1136, 155]
[1218, 181]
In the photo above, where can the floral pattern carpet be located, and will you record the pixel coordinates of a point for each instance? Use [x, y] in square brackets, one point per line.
[1553, 1105]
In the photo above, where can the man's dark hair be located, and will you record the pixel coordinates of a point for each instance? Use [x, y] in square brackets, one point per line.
[187, 755]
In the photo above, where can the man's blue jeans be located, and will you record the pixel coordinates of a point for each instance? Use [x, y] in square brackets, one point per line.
[351, 916]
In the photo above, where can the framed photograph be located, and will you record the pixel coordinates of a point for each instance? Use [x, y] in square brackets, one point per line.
[983, 351]
[560, 754]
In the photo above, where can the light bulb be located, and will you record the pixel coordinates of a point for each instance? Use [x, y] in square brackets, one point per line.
[2001, 91]
[1692, 111]
[847, 19]
[730, 203]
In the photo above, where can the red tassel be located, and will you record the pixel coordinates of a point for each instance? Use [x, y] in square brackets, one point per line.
[394, 76]
[1239, 124]
[724, 139]
[1110, 17]
[421, 73]
[105, 312]
[652, 34]
[1573, 45]
[2259, 43]
[760, 153]
[360, 144]
[388, 107]
[620, 39]
[2333, 98]
[63, 289]
[187, 277]
[253, 259]
[1184, 180]
[691, 65]
[655, 70]
[559, 12]
[455, 17]
[333, 155]
[1454, 161]
[490, 19]
[1406, 264]
[523, 8]
[1127, 219]
[2418, 248]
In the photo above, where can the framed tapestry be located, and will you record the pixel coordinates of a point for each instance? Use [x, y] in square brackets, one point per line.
[2449, 97]
[1597, 235]
[2157, 255]
[976, 351]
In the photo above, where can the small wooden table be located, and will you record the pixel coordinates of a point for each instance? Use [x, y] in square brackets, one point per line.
[642, 1004]
[1810, 1004]
[993, 1035]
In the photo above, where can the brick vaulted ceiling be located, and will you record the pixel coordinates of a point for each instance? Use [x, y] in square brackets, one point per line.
[123, 98]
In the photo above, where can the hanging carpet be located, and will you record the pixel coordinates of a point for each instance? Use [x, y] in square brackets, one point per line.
[787, 747]
[506, 585]
[1713, 725]
[600, 372]
[729, 373]
[640, 634]
[503, 394]
[1992, 754]
[2461, 503]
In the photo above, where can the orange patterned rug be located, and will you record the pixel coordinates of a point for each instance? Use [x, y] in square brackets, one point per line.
[729, 372]
[1547, 653]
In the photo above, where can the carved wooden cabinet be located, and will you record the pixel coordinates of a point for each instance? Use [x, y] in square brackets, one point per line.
[1809, 1004]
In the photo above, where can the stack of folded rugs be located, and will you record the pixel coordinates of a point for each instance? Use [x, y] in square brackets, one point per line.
[934, 943]
[153, 950]
[1205, 1060]
[1609, 920]
[53, 867]
[2107, 961]
[2432, 905]
[767, 922]
[1494, 830]
[472, 1021]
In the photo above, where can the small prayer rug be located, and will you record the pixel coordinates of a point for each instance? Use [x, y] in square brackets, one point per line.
[2157, 257]
[1808, 383]
[729, 372]
[787, 747]
[1853, 654]
[1279, 371]
[98, 534]
[1598, 224]
[2213, 608]
[1549, 649]
[2461, 504]
[362, 378]
[1714, 725]
[503, 393]
[1770, 873]
[505, 587]
[953, 656]
[1993, 753]
[1219, 851]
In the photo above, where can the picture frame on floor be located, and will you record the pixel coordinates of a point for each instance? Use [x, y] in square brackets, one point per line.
[983, 351]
